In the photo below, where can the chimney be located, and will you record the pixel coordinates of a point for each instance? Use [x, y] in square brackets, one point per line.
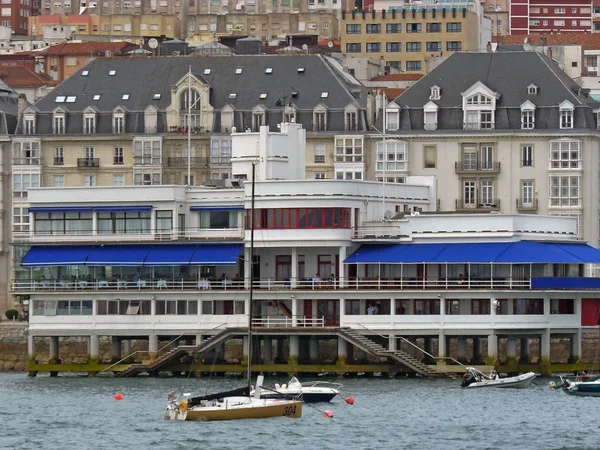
[549, 52]
[22, 103]
[489, 47]
[381, 66]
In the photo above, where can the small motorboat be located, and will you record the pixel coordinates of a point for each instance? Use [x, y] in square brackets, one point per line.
[581, 386]
[476, 379]
[312, 392]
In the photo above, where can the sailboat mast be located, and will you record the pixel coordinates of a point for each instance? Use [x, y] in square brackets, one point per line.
[252, 218]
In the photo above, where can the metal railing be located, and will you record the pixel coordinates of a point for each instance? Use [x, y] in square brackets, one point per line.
[287, 322]
[183, 161]
[491, 204]
[88, 162]
[270, 284]
[527, 206]
[478, 166]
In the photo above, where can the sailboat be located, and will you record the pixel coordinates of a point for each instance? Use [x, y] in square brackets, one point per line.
[237, 403]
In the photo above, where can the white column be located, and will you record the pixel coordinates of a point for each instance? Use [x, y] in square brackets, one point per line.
[492, 348]
[442, 345]
[153, 306]
[53, 350]
[342, 268]
[295, 314]
[199, 339]
[294, 348]
[94, 223]
[247, 269]
[94, 347]
[545, 347]
[153, 346]
[245, 348]
[392, 342]
[174, 223]
[342, 349]
[342, 314]
[31, 223]
[576, 346]
[31, 347]
[127, 347]
[294, 280]
[153, 222]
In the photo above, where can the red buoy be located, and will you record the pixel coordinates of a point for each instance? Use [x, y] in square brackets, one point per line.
[328, 414]
[118, 396]
[350, 400]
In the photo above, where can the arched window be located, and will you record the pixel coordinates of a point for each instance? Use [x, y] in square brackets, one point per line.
[190, 105]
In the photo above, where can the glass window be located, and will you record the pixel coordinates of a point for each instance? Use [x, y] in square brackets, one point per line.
[164, 221]
[565, 155]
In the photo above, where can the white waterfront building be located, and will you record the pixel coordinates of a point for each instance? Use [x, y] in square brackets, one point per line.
[332, 259]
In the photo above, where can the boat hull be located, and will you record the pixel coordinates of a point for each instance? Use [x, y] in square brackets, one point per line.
[251, 410]
[518, 382]
[307, 397]
[583, 389]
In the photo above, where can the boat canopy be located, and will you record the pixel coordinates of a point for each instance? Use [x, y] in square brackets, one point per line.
[520, 252]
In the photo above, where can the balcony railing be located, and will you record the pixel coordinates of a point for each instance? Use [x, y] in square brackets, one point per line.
[88, 162]
[59, 161]
[479, 166]
[492, 204]
[26, 161]
[271, 284]
[527, 206]
[195, 161]
[147, 160]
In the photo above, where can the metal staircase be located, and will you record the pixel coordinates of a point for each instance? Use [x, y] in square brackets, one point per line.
[364, 343]
[166, 358]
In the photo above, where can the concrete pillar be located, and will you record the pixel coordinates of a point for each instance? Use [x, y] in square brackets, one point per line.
[442, 346]
[392, 343]
[94, 348]
[153, 306]
[429, 347]
[199, 339]
[477, 350]
[245, 350]
[280, 350]
[313, 349]
[53, 350]
[492, 358]
[95, 223]
[294, 349]
[294, 280]
[575, 347]
[511, 351]
[461, 349]
[342, 267]
[525, 358]
[115, 352]
[342, 350]
[268, 350]
[295, 314]
[31, 347]
[127, 347]
[153, 346]
[247, 270]
[545, 349]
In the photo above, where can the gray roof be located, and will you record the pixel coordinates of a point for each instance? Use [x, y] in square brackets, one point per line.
[142, 78]
[507, 73]
[9, 109]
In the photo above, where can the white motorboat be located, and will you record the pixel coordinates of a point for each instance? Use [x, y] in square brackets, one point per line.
[582, 386]
[312, 392]
[476, 379]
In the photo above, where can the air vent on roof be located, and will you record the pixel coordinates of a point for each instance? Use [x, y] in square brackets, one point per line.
[60, 99]
[71, 98]
[206, 71]
[125, 97]
[301, 69]
[232, 95]
[269, 70]
[85, 73]
[263, 95]
[157, 96]
[324, 94]
[112, 72]
[96, 97]
[294, 94]
[238, 71]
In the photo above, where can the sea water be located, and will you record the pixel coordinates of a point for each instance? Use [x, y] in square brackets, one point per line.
[81, 413]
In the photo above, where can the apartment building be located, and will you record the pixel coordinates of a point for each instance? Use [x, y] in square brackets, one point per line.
[15, 14]
[518, 133]
[535, 16]
[405, 36]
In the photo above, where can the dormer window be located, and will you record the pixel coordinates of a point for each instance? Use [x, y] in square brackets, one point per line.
[532, 89]
[320, 118]
[58, 123]
[29, 124]
[435, 93]
[527, 116]
[479, 106]
[258, 117]
[119, 122]
[566, 115]
[289, 114]
[190, 108]
[89, 123]
[430, 116]
[351, 118]
[392, 119]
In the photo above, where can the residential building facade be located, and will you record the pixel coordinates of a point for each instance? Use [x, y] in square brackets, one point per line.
[405, 36]
[535, 16]
[15, 14]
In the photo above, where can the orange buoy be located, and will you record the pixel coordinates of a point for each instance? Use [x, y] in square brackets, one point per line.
[328, 414]
[118, 396]
[350, 400]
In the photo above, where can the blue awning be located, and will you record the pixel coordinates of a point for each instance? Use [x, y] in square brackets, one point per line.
[170, 255]
[521, 252]
[118, 255]
[216, 255]
[120, 208]
[60, 255]
[216, 208]
[53, 209]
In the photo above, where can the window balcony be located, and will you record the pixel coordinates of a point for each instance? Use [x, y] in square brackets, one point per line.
[59, 161]
[477, 206]
[195, 161]
[528, 206]
[90, 163]
[462, 167]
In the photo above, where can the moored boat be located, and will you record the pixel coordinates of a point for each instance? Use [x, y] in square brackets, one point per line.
[582, 387]
[311, 392]
[476, 379]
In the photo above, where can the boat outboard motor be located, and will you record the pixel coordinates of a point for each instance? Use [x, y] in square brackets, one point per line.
[468, 379]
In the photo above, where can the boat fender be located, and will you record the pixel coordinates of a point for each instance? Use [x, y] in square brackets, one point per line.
[183, 406]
